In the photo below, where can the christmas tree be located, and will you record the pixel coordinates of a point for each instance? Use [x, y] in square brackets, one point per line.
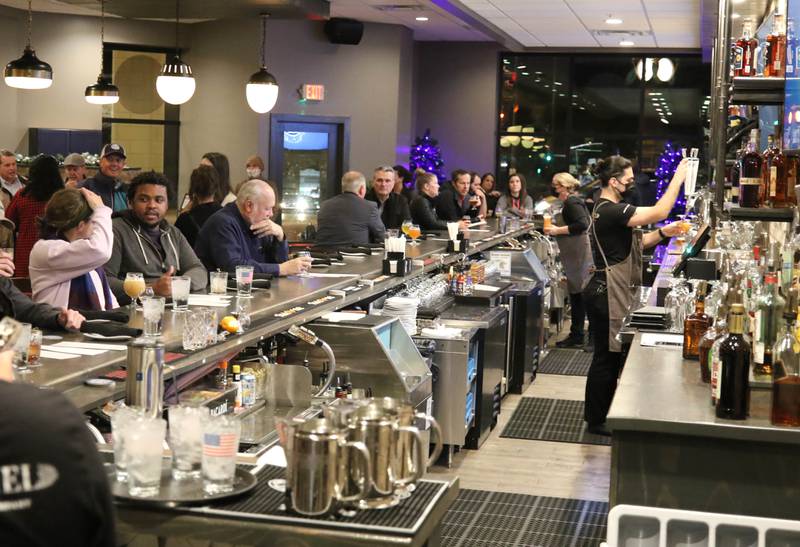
[425, 154]
[667, 164]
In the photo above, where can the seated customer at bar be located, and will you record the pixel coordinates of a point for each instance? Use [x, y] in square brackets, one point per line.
[145, 242]
[14, 304]
[455, 200]
[203, 186]
[54, 490]
[67, 263]
[107, 183]
[423, 206]
[393, 207]
[243, 234]
[349, 219]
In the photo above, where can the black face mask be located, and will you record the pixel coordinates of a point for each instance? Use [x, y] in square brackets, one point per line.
[628, 193]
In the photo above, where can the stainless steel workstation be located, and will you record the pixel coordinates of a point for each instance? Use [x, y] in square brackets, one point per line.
[373, 352]
[670, 450]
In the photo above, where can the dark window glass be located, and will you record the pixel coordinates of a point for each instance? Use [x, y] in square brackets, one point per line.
[608, 95]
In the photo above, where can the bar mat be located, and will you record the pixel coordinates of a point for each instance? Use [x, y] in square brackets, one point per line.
[537, 419]
[482, 519]
[264, 504]
[567, 362]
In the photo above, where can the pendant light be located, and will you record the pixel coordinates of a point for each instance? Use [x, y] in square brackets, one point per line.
[262, 89]
[103, 91]
[175, 84]
[28, 72]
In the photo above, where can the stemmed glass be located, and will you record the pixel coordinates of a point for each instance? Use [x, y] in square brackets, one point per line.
[134, 286]
[414, 232]
[406, 227]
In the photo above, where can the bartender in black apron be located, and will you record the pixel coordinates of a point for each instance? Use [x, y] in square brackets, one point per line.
[574, 250]
[617, 250]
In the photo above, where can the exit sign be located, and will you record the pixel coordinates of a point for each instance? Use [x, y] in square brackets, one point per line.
[313, 92]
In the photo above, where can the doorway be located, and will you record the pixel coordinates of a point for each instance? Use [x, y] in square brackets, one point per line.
[307, 157]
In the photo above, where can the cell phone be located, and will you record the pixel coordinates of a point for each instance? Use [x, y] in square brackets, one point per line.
[184, 203]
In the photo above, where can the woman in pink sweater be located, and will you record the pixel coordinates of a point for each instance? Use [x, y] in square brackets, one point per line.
[66, 265]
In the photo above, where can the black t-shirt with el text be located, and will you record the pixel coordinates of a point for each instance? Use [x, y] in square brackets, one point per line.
[53, 491]
[613, 234]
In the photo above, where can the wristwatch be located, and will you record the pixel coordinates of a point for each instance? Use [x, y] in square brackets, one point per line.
[662, 234]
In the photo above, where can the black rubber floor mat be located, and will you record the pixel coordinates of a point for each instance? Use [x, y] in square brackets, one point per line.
[482, 519]
[567, 362]
[538, 419]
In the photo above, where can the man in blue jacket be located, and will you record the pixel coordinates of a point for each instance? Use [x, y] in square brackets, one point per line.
[243, 234]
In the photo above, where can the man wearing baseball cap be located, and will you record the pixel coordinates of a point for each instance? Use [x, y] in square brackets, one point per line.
[75, 166]
[106, 183]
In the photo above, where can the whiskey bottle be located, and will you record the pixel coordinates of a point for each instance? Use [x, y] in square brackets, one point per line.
[733, 386]
[776, 58]
[786, 371]
[750, 182]
[704, 349]
[744, 51]
[768, 317]
[696, 325]
[774, 173]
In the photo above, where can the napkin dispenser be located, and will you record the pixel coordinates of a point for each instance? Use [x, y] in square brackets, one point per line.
[458, 245]
[396, 264]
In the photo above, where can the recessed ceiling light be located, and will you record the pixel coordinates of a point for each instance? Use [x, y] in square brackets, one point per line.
[626, 43]
[526, 74]
[654, 94]
[613, 21]
[538, 72]
[506, 62]
[735, 15]
[562, 95]
[665, 121]
[421, 18]
[558, 83]
[520, 67]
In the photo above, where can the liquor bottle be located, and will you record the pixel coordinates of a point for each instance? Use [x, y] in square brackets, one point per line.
[733, 386]
[775, 173]
[744, 52]
[696, 325]
[786, 371]
[237, 383]
[768, 318]
[776, 49]
[714, 333]
[750, 194]
[791, 50]
[222, 375]
[735, 174]
[792, 165]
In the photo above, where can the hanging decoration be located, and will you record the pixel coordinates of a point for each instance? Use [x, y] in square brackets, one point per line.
[426, 154]
[667, 164]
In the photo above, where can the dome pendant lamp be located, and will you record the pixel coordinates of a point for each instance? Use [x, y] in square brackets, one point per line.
[262, 89]
[103, 91]
[28, 72]
[175, 84]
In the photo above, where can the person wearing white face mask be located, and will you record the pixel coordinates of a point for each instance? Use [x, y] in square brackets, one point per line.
[254, 167]
[617, 251]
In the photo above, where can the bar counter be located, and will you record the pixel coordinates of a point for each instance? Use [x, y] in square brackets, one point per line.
[670, 450]
[68, 376]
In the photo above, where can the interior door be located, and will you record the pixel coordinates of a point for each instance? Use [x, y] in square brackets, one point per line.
[308, 156]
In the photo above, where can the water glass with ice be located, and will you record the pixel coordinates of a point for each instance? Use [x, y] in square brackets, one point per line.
[210, 320]
[144, 439]
[244, 280]
[181, 286]
[194, 331]
[186, 440]
[153, 310]
[219, 282]
[220, 444]
[120, 419]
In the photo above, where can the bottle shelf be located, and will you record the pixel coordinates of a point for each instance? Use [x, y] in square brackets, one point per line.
[757, 90]
[762, 213]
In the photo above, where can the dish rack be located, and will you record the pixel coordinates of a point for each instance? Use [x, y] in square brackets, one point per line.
[640, 526]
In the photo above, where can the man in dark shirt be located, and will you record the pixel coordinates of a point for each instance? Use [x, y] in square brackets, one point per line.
[53, 489]
[243, 234]
[348, 219]
[455, 201]
[106, 183]
[393, 207]
[423, 206]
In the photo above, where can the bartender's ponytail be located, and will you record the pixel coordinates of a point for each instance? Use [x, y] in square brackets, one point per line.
[610, 167]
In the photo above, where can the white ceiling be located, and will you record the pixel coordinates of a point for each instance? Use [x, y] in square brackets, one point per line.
[530, 23]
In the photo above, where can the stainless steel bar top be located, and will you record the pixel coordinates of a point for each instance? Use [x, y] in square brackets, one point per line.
[660, 392]
[271, 313]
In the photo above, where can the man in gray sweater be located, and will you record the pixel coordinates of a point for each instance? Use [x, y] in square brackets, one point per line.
[145, 242]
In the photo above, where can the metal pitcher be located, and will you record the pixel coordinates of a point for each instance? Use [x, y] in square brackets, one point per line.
[144, 385]
[318, 466]
[379, 427]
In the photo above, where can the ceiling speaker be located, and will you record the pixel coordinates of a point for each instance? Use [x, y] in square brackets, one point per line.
[344, 31]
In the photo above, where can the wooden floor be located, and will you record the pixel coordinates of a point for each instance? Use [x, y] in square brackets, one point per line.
[538, 468]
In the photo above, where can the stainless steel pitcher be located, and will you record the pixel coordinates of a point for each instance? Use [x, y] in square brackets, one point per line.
[378, 425]
[144, 385]
[318, 466]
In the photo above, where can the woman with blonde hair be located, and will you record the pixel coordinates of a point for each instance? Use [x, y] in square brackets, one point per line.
[576, 254]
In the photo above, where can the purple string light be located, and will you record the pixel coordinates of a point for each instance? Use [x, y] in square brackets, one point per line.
[667, 164]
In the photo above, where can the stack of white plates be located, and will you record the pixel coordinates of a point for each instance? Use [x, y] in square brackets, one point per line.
[404, 309]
